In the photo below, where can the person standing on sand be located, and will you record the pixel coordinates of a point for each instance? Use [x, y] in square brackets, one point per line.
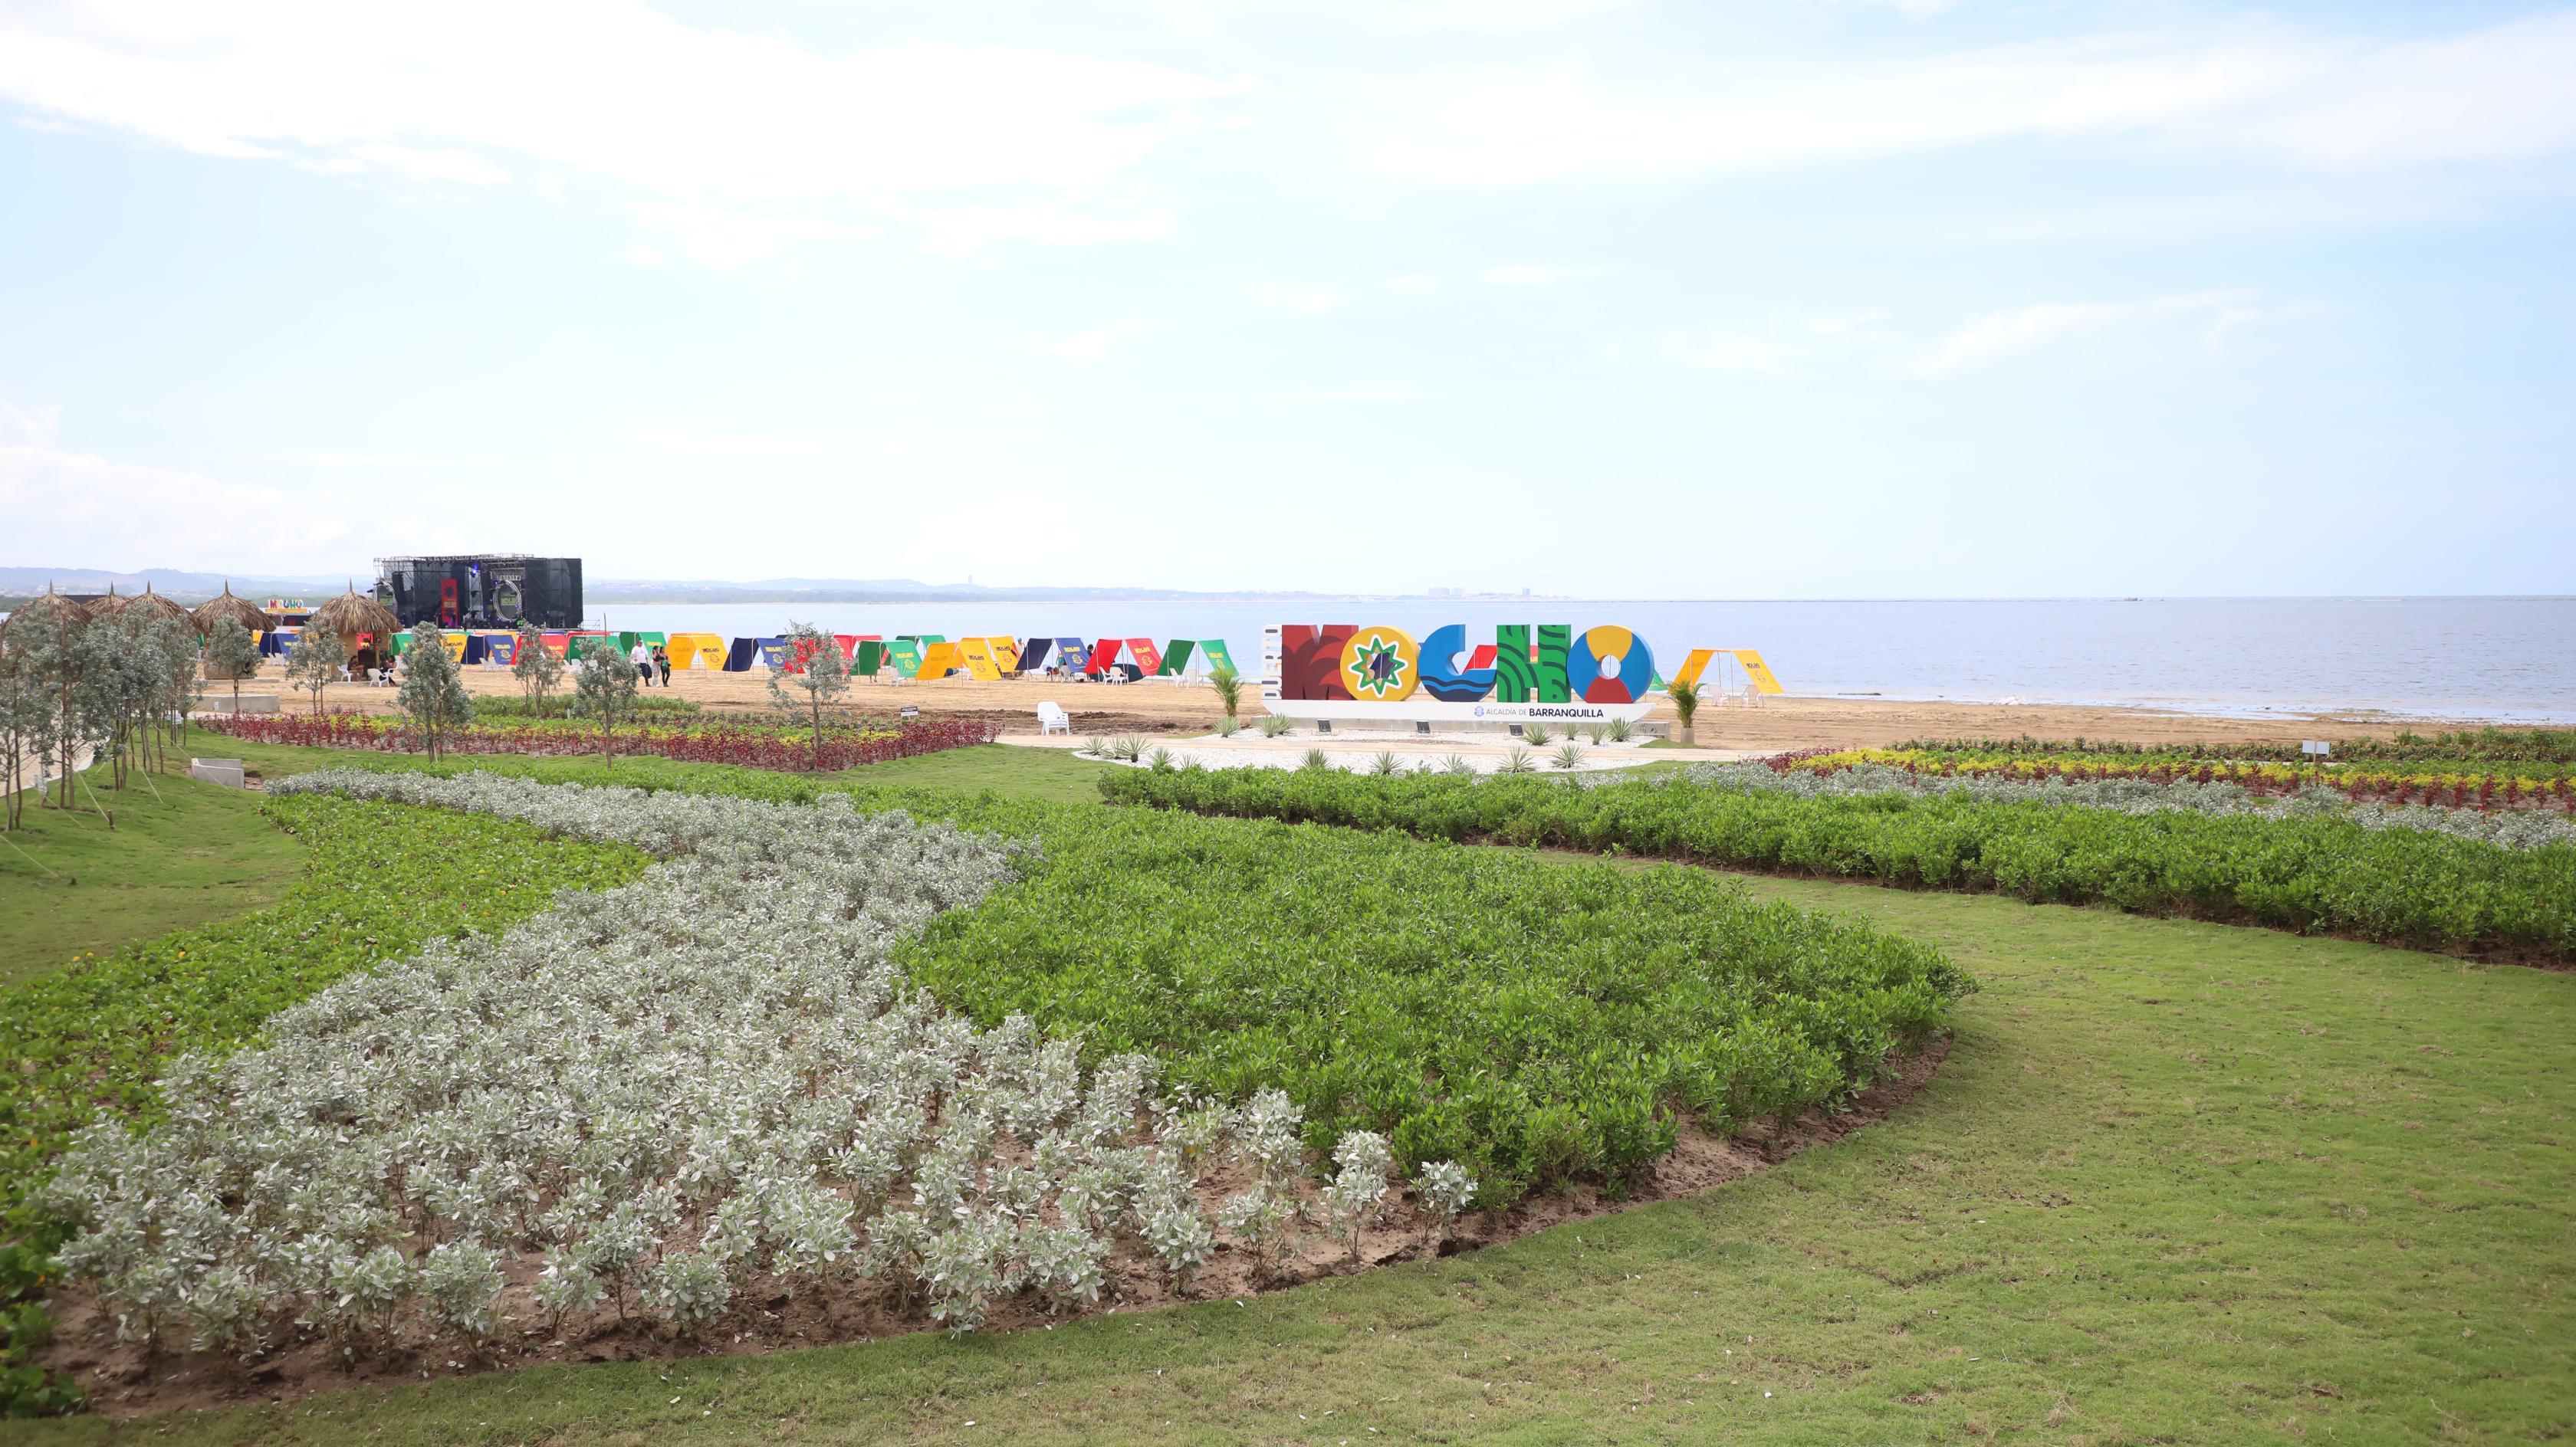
[662, 663]
[642, 658]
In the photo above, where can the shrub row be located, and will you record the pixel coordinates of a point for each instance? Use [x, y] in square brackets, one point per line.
[2310, 874]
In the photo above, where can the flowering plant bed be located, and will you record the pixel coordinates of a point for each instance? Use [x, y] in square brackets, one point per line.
[698, 741]
[719, 1104]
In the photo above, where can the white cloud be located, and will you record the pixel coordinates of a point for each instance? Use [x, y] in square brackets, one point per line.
[1395, 393]
[715, 123]
[1991, 337]
[29, 426]
[763, 446]
[1415, 283]
[1093, 345]
[1734, 353]
[642, 255]
[1376, 17]
[1531, 274]
[724, 236]
[1277, 296]
[2490, 95]
[959, 231]
[62, 504]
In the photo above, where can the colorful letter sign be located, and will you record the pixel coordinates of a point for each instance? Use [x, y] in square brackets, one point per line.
[1541, 674]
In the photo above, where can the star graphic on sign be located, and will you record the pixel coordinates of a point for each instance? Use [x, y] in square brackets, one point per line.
[1377, 669]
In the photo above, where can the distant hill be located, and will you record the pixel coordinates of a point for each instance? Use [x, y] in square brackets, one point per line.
[183, 586]
[863, 590]
[188, 587]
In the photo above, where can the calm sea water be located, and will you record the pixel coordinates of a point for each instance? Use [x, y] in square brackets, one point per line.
[2500, 658]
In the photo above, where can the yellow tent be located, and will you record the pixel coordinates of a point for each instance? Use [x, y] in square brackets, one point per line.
[1749, 659]
[696, 650]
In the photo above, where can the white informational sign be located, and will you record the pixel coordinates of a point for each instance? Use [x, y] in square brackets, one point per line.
[1270, 657]
[2318, 747]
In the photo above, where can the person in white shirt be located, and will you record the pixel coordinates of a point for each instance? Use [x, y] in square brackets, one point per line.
[642, 658]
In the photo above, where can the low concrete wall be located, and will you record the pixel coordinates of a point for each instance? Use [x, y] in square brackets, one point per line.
[227, 772]
[250, 702]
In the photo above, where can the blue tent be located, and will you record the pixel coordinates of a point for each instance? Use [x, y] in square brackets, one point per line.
[1033, 652]
[738, 657]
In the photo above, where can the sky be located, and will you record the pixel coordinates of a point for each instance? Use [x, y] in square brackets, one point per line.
[1609, 298]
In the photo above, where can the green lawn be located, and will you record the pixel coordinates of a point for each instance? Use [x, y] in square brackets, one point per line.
[2177, 1182]
[71, 885]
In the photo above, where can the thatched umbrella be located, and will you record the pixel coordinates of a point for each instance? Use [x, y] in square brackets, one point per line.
[241, 610]
[51, 610]
[352, 614]
[150, 607]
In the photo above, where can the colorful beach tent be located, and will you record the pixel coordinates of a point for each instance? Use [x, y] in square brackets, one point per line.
[867, 658]
[937, 659]
[976, 655]
[1104, 655]
[1750, 660]
[1176, 657]
[1215, 654]
[1146, 655]
[696, 650]
[772, 651]
[1033, 652]
[739, 656]
[1076, 657]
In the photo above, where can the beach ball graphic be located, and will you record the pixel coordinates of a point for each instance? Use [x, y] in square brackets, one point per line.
[1609, 665]
[1381, 665]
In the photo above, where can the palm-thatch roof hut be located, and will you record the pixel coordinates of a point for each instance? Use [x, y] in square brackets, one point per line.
[51, 610]
[365, 626]
[149, 607]
[241, 610]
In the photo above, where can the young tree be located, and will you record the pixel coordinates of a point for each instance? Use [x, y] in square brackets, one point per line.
[232, 655]
[538, 671]
[26, 714]
[315, 660]
[604, 690]
[433, 690]
[812, 674]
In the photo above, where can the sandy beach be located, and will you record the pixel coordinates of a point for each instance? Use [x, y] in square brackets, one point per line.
[1788, 722]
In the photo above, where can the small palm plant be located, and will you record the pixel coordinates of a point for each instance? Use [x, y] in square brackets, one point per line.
[1516, 762]
[1317, 760]
[1569, 755]
[1685, 696]
[1618, 731]
[1385, 765]
[1275, 724]
[1537, 735]
[1228, 687]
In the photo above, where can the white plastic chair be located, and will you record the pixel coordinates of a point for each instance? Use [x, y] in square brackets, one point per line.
[1052, 719]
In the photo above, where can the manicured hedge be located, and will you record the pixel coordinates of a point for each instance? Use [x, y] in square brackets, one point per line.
[1535, 1020]
[2397, 886]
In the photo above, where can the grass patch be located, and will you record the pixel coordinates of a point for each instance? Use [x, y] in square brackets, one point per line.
[200, 852]
[2177, 1182]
